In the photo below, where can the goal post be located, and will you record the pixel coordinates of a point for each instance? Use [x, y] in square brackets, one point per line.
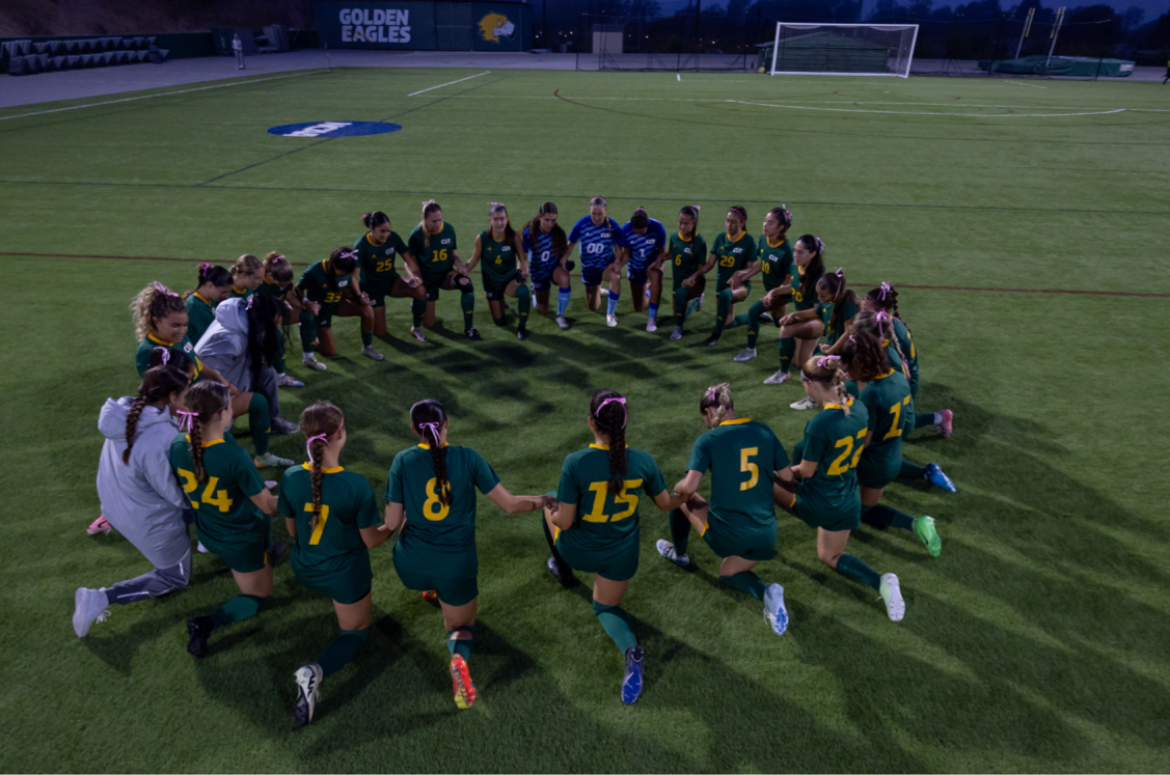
[843, 49]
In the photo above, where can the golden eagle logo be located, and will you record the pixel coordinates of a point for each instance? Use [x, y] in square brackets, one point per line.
[495, 26]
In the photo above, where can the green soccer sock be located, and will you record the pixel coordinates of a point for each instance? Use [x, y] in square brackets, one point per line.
[723, 309]
[261, 421]
[367, 339]
[680, 531]
[787, 351]
[524, 305]
[616, 624]
[308, 330]
[341, 651]
[467, 302]
[746, 582]
[911, 471]
[680, 306]
[753, 316]
[926, 420]
[499, 321]
[692, 308]
[280, 365]
[739, 320]
[235, 610]
[461, 646]
[418, 308]
[848, 565]
[884, 516]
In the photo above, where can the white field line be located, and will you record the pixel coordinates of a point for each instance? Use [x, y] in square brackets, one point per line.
[440, 86]
[924, 113]
[151, 96]
[1034, 86]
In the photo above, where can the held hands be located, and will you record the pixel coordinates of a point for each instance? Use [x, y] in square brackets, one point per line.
[233, 391]
[549, 502]
[313, 307]
[689, 282]
[414, 282]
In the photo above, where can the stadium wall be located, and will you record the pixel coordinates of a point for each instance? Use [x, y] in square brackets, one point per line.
[424, 25]
[180, 45]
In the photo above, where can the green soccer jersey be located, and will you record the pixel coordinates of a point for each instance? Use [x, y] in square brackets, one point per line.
[436, 258]
[497, 259]
[275, 290]
[886, 399]
[741, 455]
[803, 300]
[825, 313]
[602, 518]
[224, 512]
[347, 506]
[732, 255]
[438, 539]
[906, 342]
[377, 262]
[775, 262]
[686, 256]
[240, 293]
[835, 441]
[200, 316]
[324, 287]
[142, 357]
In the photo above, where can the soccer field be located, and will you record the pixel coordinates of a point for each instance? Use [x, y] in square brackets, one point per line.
[1026, 225]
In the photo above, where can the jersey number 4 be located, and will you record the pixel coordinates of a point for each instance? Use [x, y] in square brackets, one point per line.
[219, 499]
[600, 489]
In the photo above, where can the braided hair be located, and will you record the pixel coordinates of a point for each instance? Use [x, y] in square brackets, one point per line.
[176, 359]
[827, 370]
[885, 297]
[559, 242]
[609, 416]
[215, 275]
[427, 418]
[154, 302]
[263, 341]
[880, 325]
[718, 400]
[343, 261]
[320, 418]
[864, 357]
[278, 268]
[246, 264]
[834, 283]
[158, 383]
[206, 399]
[816, 267]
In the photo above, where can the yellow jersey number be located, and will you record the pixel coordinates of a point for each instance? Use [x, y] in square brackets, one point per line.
[210, 496]
[439, 255]
[332, 297]
[896, 410]
[727, 261]
[748, 467]
[315, 538]
[385, 266]
[629, 500]
[848, 458]
[433, 508]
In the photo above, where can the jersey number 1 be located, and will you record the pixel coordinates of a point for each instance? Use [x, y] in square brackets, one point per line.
[896, 410]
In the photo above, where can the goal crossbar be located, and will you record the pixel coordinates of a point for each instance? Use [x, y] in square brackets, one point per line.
[818, 51]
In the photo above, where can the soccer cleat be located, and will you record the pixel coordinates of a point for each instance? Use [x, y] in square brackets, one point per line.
[284, 380]
[611, 321]
[712, 340]
[745, 355]
[767, 317]
[632, 681]
[891, 593]
[924, 529]
[369, 351]
[199, 547]
[198, 631]
[562, 322]
[774, 611]
[946, 427]
[430, 595]
[282, 427]
[676, 334]
[562, 573]
[651, 324]
[604, 293]
[804, 403]
[472, 334]
[99, 525]
[270, 483]
[308, 678]
[270, 460]
[779, 378]
[666, 549]
[418, 334]
[311, 361]
[522, 334]
[461, 683]
[936, 476]
[699, 301]
[89, 606]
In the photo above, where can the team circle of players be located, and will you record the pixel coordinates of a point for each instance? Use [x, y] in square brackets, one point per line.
[170, 460]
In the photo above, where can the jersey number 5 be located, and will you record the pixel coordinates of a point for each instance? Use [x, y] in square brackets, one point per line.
[433, 508]
[210, 496]
[848, 459]
[599, 490]
[746, 466]
[315, 538]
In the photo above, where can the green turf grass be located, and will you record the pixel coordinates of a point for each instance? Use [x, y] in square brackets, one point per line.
[1037, 640]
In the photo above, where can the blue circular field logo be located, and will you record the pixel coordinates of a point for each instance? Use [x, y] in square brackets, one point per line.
[334, 129]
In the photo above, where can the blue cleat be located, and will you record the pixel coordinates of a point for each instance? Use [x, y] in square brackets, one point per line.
[935, 475]
[632, 683]
[774, 611]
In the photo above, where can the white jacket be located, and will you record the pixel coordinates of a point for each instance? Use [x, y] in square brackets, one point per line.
[142, 500]
[224, 345]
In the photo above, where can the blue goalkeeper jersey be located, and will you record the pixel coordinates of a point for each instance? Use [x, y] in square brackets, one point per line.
[597, 242]
[644, 248]
[541, 262]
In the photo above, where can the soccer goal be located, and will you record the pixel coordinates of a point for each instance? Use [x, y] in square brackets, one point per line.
[843, 49]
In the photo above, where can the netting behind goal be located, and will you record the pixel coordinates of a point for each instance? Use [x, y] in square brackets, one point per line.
[843, 49]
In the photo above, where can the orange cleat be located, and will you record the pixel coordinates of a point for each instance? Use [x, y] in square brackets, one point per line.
[461, 683]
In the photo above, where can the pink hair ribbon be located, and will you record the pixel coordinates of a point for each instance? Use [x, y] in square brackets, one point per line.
[203, 270]
[188, 417]
[428, 202]
[622, 401]
[885, 289]
[492, 204]
[162, 288]
[165, 356]
[434, 426]
[697, 207]
[323, 437]
[823, 362]
[248, 305]
[840, 272]
[711, 391]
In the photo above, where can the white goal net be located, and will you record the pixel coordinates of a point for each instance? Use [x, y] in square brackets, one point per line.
[843, 49]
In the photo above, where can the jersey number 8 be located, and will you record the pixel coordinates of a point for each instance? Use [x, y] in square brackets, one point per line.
[433, 508]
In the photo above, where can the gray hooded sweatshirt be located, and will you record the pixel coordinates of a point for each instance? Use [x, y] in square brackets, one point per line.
[224, 345]
[142, 500]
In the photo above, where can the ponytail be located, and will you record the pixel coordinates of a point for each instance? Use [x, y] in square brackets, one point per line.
[608, 410]
[158, 383]
[717, 398]
[427, 418]
[827, 370]
[816, 266]
[205, 400]
[154, 302]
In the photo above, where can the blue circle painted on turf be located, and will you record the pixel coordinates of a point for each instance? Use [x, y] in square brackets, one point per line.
[334, 129]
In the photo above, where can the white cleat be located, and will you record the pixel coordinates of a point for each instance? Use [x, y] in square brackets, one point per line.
[666, 549]
[891, 593]
[564, 324]
[699, 303]
[89, 606]
[779, 378]
[418, 334]
[311, 361]
[745, 355]
[308, 680]
[369, 351]
[804, 403]
[604, 293]
[676, 334]
[652, 324]
[199, 547]
[774, 611]
[611, 321]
